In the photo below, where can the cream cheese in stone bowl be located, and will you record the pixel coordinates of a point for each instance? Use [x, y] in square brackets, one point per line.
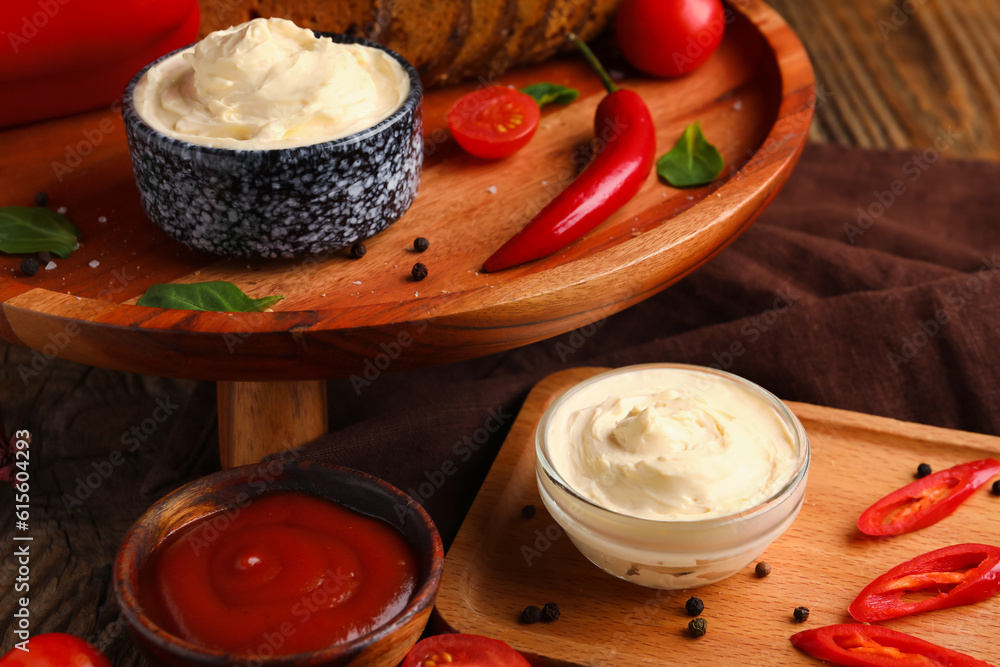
[671, 476]
[269, 140]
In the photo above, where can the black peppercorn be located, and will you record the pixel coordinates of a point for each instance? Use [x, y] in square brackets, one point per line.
[419, 271]
[694, 606]
[528, 511]
[762, 569]
[923, 470]
[801, 614]
[44, 257]
[29, 267]
[358, 250]
[698, 627]
[420, 244]
[550, 612]
[41, 198]
[531, 614]
[995, 490]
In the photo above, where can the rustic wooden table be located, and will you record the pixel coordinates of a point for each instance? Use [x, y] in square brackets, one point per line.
[893, 74]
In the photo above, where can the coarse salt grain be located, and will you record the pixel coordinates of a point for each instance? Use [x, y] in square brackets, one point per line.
[357, 282]
[61, 210]
[50, 266]
[102, 219]
[492, 189]
[94, 264]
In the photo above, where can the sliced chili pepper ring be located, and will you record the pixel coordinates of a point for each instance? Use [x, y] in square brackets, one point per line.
[858, 645]
[927, 500]
[960, 574]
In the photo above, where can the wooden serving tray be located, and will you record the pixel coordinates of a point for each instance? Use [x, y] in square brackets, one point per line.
[754, 98]
[822, 562]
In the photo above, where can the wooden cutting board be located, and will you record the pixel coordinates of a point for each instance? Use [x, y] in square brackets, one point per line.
[501, 562]
[754, 99]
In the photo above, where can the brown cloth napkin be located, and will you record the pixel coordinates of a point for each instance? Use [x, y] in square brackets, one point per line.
[870, 284]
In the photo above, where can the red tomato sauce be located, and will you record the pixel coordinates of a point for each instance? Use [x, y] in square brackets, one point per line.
[287, 573]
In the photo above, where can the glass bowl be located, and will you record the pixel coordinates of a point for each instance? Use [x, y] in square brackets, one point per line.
[670, 554]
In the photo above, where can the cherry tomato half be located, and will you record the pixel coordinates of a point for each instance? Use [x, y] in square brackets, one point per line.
[463, 651]
[55, 649]
[494, 122]
[669, 37]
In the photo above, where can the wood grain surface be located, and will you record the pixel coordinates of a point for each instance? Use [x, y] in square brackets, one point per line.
[78, 414]
[753, 98]
[501, 562]
[261, 418]
[896, 74]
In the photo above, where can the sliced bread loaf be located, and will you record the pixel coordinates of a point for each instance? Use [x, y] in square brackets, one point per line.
[446, 40]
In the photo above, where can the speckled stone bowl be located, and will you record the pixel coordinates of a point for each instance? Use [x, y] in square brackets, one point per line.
[286, 202]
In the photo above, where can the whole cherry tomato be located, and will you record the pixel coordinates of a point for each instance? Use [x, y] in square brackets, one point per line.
[460, 650]
[55, 649]
[494, 122]
[669, 37]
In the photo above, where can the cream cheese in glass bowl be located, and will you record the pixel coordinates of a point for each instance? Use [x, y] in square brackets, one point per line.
[671, 476]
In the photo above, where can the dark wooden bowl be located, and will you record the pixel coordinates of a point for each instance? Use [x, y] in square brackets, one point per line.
[232, 488]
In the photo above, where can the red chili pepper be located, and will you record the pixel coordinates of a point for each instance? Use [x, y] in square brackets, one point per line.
[857, 645]
[961, 574]
[625, 126]
[63, 56]
[926, 501]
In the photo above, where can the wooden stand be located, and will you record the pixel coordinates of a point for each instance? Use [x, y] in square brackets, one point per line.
[261, 418]
[341, 316]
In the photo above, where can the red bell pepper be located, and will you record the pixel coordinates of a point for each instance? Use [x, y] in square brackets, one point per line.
[961, 574]
[927, 500]
[856, 645]
[62, 56]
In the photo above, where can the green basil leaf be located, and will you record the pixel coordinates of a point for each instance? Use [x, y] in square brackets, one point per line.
[217, 295]
[551, 93]
[692, 161]
[27, 229]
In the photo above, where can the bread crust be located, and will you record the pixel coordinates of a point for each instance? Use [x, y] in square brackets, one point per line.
[429, 33]
[492, 23]
[437, 69]
[351, 16]
[602, 12]
[529, 27]
[567, 16]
